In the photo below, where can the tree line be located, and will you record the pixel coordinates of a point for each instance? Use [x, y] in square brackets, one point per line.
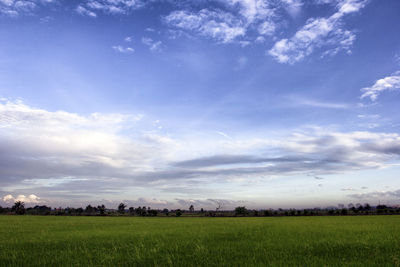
[122, 210]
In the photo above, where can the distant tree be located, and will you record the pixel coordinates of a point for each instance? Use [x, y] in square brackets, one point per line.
[166, 212]
[191, 208]
[121, 208]
[202, 210]
[255, 212]
[241, 210]
[266, 213]
[354, 210]
[298, 212]
[144, 211]
[360, 208]
[286, 213]
[41, 210]
[367, 207]
[305, 212]
[131, 210]
[79, 211]
[89, 209]
[71, 211]
[153, 212]
[381, 207]
[343, 212]
[178, 213]
[102, 209]
[19, 208]
[1, 209]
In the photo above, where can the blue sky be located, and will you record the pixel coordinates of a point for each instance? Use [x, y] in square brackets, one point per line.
[163, 103]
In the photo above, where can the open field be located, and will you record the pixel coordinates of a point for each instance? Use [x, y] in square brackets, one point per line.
[130, 241]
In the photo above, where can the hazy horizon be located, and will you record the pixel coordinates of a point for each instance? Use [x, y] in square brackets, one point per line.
[166, 103]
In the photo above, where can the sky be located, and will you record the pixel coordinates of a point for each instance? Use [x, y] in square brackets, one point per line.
[211, 103]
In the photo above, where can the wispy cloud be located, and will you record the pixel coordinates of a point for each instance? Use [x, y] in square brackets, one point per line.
[154, 46]
[122, 49]
[327, 33]
[92, 7]
[302, 101]
[85, 12]
[385, 84]
[293, 7]
[218, 25]
[15, 8]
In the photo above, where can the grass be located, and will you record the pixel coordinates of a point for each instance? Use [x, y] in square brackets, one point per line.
[134, 241]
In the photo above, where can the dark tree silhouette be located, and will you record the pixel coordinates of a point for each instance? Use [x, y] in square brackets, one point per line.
[131, 210]
[121, 208]
[367, 208]
[19, 208]
[102, 209]
[89, 209]
[166, 212]
[240, 211]
[191, 208]
[178, 213]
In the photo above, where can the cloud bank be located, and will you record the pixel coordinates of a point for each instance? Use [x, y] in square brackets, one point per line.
[57, 153]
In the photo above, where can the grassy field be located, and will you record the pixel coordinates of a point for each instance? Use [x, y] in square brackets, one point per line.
[133, 241]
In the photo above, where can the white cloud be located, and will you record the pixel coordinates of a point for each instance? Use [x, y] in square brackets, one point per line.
[19, 7]
[266, 28]
[293, 7]
[121, 49]
[31, 199]
[233, 20]
[15, 8]
[318, 33]
[369, 116]
[83, 11]
[378, 195]
[219, 25]
[110, 153]
[385, 84]
[154, 46]
[253, 10]
[296, 100]
[128, 39]
[90, 7]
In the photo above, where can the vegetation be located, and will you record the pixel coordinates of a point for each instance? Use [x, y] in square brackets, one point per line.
[19, 209]
[241, 241]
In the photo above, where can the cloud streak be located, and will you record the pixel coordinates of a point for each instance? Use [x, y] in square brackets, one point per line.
[389, 83]
[323, 32]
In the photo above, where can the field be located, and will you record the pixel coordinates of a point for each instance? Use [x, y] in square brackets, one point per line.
[134, 241]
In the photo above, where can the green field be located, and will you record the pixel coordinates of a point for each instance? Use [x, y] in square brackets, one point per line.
[134, 241]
